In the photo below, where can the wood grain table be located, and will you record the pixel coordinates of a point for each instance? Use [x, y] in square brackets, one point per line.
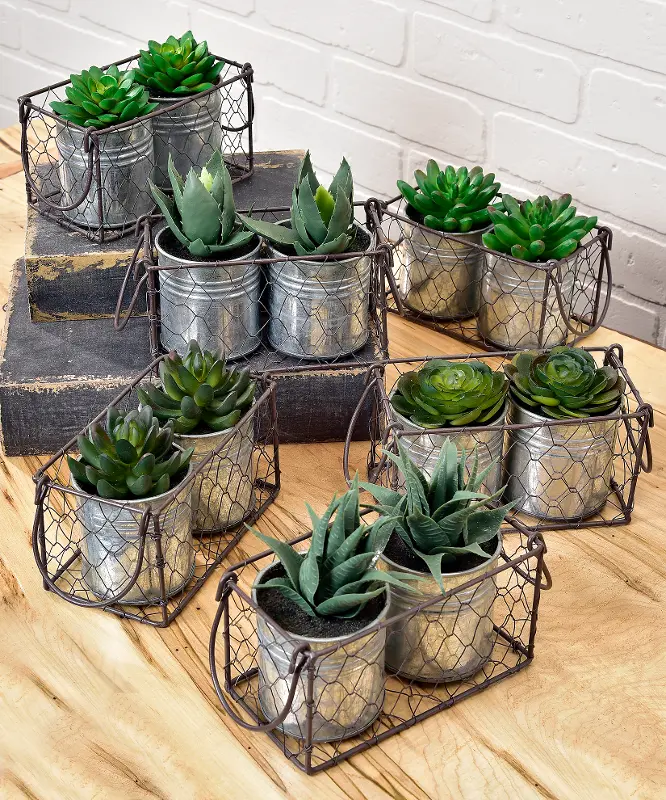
[92, 706]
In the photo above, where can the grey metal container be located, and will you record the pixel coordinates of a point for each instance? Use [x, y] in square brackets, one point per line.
[561, 472]
[190, 133]
[319, 309]
[223, 492]
[110, 545]
[218, 306]
[514, 301]
[126, 162]
[446, 641]
[440, 276]
[348, 686]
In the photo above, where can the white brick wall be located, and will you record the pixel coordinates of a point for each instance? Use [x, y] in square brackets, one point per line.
[564, 95]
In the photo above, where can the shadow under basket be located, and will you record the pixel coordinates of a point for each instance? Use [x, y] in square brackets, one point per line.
[323, 704]
[576, 473]
[145, 559]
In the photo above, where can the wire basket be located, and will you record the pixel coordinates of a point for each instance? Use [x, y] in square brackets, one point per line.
[96, 181]
[576, 473]
[146, 559]
[454, 285]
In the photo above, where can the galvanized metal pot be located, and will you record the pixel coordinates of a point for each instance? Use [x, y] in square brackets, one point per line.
[218, 306]
[319, 309]
[190, 133]
[561, 472]
[126, 162]
[348, 687]
[514, 300]
[447, 641]
[110, 545]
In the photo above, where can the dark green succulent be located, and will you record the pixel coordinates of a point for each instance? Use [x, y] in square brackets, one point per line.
[198, 392]
[178, 66]
[322, 219]
[451, 200]
[444, 518]
[537, 231]
[98, 99]
[133, 457]
[202, 213]
[452, 393]
[565, 382]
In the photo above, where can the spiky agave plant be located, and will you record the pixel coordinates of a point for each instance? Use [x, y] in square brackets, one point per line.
[133, 457]
[321, 219]
[198, 392]
[178, 66]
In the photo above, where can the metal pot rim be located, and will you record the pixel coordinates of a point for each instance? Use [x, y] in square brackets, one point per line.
[498, 419]
[540, 418]
[215, 433]
[303, 259]
[203, 264]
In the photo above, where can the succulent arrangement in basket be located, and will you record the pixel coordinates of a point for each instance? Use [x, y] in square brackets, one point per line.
[202, 213]
[455, 201]
[100, 99]
[199, 392]
[322, 219]
[563, 383]
[178, 66]
[133, 457]
[448, 393]
[537, 231]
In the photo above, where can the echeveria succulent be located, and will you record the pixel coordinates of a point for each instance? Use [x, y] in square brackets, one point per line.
[178, 66]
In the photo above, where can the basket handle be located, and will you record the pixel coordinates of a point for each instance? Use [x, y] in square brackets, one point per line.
[120, 321]
[373, 212]
[547, 583]
[370, 384]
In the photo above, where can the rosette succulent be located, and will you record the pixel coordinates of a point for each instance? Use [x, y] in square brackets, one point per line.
[178, 66]
[537, 231]
[455, 201]
[451, 393]
[198, 393]
[98, 99]
[202, 213]
[565, 382]
[133, 457]
[322, 219]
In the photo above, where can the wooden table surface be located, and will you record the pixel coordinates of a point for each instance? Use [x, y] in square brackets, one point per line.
[96, 707]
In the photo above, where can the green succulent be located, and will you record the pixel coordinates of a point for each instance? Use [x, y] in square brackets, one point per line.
[321, 219]
[444, 518]
[452, 393]
[97, 99]
[337, 576]
[451, 200]
[178, 66]
[537, 231]
[565, 382]
[202, 213]
[198, 392]
[133, 457]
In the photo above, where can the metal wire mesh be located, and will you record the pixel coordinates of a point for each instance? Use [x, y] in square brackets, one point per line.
[145, 559]
[96, 181]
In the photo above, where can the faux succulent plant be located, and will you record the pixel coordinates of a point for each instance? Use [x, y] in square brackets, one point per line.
[198, 392]
[321, 219]
[178, 66]
[202, 213]
[98, 99]
[537, 231]
[565, 382]
[452, 393]
[133, 457]
[443, 518]
[451, 200]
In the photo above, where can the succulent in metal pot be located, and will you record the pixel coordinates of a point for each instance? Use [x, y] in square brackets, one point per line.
[178, 66]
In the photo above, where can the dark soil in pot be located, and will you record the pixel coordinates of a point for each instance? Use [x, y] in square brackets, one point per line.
[173, 247]
[398, 552]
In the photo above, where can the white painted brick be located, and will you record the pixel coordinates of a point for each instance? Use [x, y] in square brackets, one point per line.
[638, 264]
[630, 188]
[21, 77]
[302, 74]
[478, 9]
[369, 27]
[631, 32]
[243, 7]
[10, 26]
[628, 110]
[148, 19]
[630, 315]
[59, 5]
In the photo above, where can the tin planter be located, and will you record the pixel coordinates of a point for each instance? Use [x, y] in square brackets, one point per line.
[218, 305]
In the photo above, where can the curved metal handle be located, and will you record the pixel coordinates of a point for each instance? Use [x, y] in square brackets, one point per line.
[548, 584]
[119, 322]
[352, 425]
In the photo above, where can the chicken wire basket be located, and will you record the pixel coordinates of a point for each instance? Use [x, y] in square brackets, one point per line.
[323, 705]
[562, 474]
[144, 559]
[454, 285]
[96, 181]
